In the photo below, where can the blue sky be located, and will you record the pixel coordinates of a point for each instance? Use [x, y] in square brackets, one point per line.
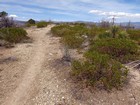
[73, 10]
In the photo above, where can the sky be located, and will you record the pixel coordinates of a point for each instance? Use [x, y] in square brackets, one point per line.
[73, 10]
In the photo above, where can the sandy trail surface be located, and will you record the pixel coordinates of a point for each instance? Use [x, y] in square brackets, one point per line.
[34, 74]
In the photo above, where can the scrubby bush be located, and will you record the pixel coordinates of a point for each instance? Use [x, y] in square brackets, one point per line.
[73, 41]
[104, 35]
[42, 24]
[60, 30]
[100, 70]
[122, 50]
[72, 35]
[123, 34]
[134, 34]
[96, 31]
[13, 35]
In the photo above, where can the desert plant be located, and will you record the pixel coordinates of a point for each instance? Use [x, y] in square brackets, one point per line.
[60, 30]
[72, 41]
[3, 14]
[6, 21]
[123, 50]
[114, 31]
[31, 21]
[134, 34]
[106, 34]
[13, 35]
[42, 24]
[123, 34]
[99, 70]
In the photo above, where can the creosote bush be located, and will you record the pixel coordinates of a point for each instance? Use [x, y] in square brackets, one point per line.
[42, 24]
[99, 70]
[13, 35]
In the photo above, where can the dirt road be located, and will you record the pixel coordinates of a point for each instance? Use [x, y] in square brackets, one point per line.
[33, 74]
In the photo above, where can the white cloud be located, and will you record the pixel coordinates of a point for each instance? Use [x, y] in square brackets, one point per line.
[115, 14]
[14, 16]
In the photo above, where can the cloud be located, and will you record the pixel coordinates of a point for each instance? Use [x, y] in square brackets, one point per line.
[115, 14]
[14, 16]
[72, 9]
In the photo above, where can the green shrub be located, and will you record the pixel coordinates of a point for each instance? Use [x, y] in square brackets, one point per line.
[123, 34]
[100, 70]
[60, 30]
[72, 41]
[13, 35]
[122, 50]
[95, 31]
[104, 35]
[134, 34]
[42, 24]
[64, 30]
[71, 35]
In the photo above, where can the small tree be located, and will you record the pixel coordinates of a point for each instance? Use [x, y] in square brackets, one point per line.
[5, 21]
[31, 21]
[3, 14]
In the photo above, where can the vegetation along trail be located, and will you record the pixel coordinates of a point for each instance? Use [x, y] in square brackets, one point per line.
[35, 74]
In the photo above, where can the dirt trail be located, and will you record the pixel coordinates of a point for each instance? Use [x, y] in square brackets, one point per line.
[21, 94]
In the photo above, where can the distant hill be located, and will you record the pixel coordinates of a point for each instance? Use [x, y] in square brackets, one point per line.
[135, 24]
[20, 23]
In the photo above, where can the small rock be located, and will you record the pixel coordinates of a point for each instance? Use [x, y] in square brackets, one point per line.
[63, 97]
[57, 86]
[50, 54]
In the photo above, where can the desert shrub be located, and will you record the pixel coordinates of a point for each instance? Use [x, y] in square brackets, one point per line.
[73, 40]
[95, 31]
[60, 30]
[123, 34]
[42, 24]
[72, 35]
[122, 50]
[13, 35]
[99, 70]
[64, 29]
[106, 34]
[134, 34]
